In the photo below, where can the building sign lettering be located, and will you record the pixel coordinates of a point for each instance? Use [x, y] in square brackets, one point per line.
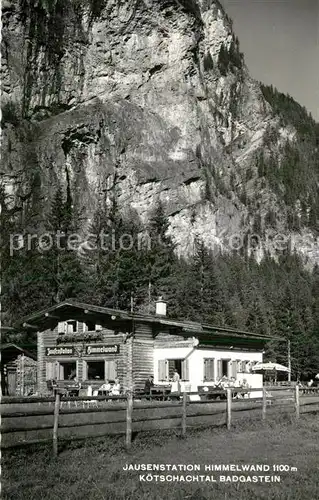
[60, 351]
[102, 349]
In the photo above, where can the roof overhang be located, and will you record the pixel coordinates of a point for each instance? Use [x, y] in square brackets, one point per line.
[113, 318]
[48, 318]
[10, 351]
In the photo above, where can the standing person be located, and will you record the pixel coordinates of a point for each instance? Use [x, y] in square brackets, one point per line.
[176, 386]
[149, 383]
[310, 384]
[245, 385]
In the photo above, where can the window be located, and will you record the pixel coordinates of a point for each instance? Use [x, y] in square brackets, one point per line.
[89, 326]
[95, 370]
[174, 364]
[209, 369]
[166, 368]
[67, 370]
[100, 370]
[71, 326]
[223, 368]
[244, 366]
[225, 364]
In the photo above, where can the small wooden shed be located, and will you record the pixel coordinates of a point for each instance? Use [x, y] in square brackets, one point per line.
[18, 370]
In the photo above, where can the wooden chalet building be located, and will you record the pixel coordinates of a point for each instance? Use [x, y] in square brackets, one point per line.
[97, 343]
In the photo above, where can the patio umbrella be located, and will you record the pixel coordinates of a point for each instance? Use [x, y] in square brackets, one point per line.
[276, 367]
[270, 367]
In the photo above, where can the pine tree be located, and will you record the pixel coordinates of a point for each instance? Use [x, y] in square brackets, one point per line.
[62, 263]
[117, 262]
[161, 257]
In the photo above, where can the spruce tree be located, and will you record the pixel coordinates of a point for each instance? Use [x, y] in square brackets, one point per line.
[62, 261]
[161, 258]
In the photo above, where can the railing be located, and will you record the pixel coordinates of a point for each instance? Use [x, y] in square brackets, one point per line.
[42, 419]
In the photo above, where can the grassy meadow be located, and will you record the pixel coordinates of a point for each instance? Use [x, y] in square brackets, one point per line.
[93, 469]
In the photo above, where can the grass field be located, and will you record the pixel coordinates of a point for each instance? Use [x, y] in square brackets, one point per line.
[94, 470]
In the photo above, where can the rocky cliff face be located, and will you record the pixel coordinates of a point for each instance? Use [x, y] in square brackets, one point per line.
[145, 99]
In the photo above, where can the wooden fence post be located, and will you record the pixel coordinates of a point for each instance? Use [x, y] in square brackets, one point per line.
[297, 401]
[264, 404]
[228, 407]
[129, 412]
[184, 413]
[56, 424]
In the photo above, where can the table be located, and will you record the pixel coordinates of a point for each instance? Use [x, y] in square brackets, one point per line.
[69, 390]
[161, 391]
[104, 393]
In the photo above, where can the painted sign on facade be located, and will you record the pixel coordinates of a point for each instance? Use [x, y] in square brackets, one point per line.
[102, 349]
[59, 351]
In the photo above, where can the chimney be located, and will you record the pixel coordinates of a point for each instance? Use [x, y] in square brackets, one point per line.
[161, 307]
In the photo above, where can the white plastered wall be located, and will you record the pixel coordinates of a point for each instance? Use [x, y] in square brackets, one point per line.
[196, 358]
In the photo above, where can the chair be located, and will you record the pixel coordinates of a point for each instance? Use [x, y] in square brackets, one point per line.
[50, 385]
[90, 393]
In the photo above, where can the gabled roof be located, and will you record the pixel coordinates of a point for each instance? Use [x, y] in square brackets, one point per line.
[48, 318]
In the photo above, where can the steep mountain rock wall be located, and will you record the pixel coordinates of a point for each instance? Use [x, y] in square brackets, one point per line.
[145, 99]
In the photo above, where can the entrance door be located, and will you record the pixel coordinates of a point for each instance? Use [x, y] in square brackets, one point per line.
[12, 382]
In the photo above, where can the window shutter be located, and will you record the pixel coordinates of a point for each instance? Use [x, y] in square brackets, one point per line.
[212, 369]
[205, 370]
[61, 327]
[50, 370]
[185, 369]
[161, 369]
[61, 372]
[110, 370]
[234, 369]
[209, 372]
[219, 368]
[85, 370]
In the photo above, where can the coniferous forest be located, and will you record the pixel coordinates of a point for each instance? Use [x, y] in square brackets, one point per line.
[134, 265]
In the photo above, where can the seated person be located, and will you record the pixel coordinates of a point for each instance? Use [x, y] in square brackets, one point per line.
[224, 382]
[72, 375]
[74, 388]
[149, 383]
[106, 387]
[218, 383]
[232, 382]
[75, 383]
[116, 389]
